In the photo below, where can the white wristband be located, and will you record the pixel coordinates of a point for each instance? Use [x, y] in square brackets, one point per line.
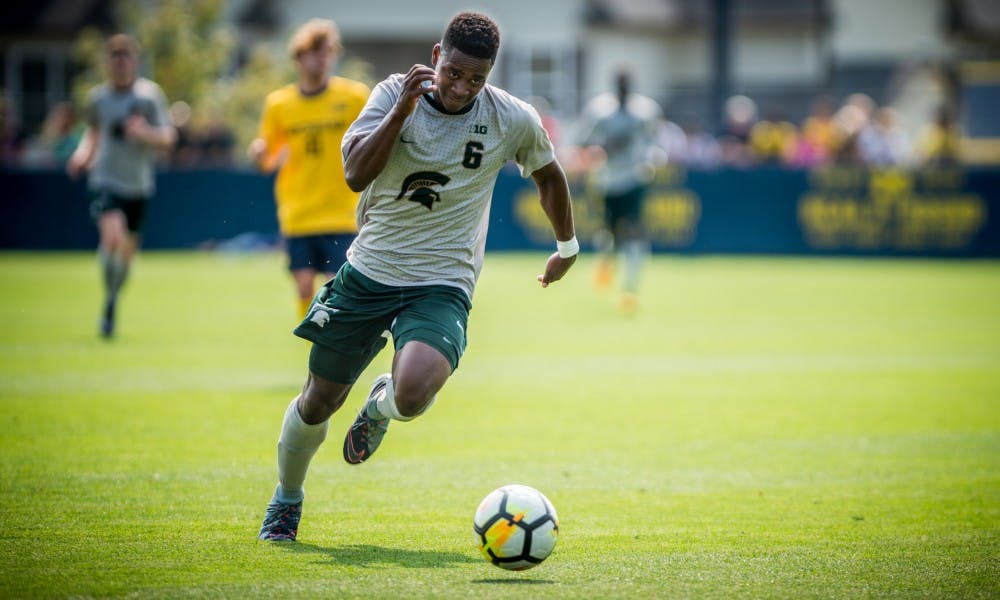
[569, 248]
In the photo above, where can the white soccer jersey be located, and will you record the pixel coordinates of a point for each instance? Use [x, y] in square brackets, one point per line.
[122, 166]
[627, 136]
[423, 220]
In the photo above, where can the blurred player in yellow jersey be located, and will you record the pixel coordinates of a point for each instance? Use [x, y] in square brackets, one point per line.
[300, 135]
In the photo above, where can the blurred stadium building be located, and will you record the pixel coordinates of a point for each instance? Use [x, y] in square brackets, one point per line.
[688, 54]
[793, 123]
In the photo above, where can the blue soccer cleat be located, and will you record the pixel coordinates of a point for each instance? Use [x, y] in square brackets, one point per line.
[366, 433]
[281, 522]
[107, 325]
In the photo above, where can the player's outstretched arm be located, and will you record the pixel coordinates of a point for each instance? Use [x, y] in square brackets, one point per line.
[553, 190]
[83, 156]
[368, 155]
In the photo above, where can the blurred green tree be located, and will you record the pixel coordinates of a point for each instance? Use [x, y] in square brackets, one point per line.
[194, 57]
[183, 47]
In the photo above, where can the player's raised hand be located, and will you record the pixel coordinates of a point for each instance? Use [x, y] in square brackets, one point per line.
[419, 81]
[137, 128]
[555, 268]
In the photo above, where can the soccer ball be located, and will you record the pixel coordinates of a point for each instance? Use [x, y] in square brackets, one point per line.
[516, 527]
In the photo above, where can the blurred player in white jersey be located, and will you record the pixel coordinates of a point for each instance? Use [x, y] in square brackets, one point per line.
[621, 128]
[425, 152]
[128, 126]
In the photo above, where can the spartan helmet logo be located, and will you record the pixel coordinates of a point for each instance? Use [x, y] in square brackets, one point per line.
[420, 187]
[320, 317]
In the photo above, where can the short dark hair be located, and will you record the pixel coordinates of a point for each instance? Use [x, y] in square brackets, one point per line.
[623, 84]
[474, 34]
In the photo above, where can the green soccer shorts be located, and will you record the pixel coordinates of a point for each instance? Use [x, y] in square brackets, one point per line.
[351, 312]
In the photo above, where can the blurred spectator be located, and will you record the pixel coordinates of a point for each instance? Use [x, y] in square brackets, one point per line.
[883, 142]
[773, 142]
[57, 139]
[671, 141]
[851, 119]
[11, 134]
[938, 142]
[864, 103]
[819, 138]
[206, 142]
[185, 152]
[216, 143]
[549, 121]
[733, 152]
[739, 119]
[701, 150]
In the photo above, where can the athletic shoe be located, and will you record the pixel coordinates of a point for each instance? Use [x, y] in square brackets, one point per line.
[603, 274]
[107, 328]
[281, 521]
[366, 433]
[628, 304]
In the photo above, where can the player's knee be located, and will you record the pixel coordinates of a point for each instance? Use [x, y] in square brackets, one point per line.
[304, 285]
[412, 399]
[321, 398]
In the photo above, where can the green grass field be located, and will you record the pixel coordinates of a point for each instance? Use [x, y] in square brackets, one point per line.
[777, 428]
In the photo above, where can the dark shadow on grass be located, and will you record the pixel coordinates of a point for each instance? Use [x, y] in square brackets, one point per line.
[364, 555]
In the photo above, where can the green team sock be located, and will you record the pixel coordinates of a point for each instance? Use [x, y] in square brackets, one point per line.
[115, 272]
[119, 273]
[107, 273]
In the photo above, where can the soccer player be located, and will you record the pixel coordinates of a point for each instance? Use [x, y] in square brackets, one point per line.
[300, 133]
[128, 125]
[426, 150]
[622, 128]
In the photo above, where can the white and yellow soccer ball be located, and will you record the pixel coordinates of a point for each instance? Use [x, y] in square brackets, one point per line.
[516, 527]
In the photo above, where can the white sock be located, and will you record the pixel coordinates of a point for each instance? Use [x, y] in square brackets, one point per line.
[296, 447]
[385, 405]
[635, 252]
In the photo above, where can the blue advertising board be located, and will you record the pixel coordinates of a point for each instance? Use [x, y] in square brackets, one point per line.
[838, 210]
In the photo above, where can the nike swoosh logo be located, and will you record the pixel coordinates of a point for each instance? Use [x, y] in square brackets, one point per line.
[406, 141]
